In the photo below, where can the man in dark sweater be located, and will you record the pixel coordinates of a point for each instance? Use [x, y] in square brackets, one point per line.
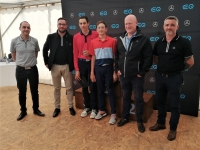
[60, 62]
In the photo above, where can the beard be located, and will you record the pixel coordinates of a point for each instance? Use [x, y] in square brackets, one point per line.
[62, 31]
[170, 32]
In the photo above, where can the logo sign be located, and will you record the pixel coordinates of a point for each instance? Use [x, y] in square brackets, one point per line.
[155, 24]
[114, 26]
[115, 12]
[154, 67]
[151, 92]
[182, 96]
[81, 14]
[72, 27]
[92, 14]
[188, 6]
[187, 22]
[155, 9]
[103, 13]
[154, 38]
[152, 79]
[72, 15]
[141, 10]
[132, 108]
[171, 7]
[128, 11]
[92, 26]
[142, 25]
[187, 37]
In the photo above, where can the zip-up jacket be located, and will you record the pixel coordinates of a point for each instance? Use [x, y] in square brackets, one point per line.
[137, 59]
[52, 43]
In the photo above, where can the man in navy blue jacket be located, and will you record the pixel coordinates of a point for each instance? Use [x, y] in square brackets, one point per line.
[132, 61]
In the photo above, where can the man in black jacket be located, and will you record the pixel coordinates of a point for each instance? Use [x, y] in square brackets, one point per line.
[132, 61]
[60, 62]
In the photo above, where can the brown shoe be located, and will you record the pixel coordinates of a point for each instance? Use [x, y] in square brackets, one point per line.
[172, 135]
[157, 127]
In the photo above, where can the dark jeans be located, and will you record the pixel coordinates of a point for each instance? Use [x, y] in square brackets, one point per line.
[136, 84]
[22, 76]
[85, 68]
[168, 86]
[104, 77]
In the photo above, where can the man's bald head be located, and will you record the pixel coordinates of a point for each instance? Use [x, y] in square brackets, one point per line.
[131, 17]
[130, 22]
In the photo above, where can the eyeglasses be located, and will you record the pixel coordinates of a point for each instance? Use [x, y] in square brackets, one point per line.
[24, 27]
[62, 24]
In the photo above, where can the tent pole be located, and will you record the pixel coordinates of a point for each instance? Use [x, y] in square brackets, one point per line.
[13, 21]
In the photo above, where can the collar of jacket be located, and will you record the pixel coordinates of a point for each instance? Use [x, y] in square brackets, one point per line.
[66, 34]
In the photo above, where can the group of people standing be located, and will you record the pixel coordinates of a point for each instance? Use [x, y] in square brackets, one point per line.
[102, 60]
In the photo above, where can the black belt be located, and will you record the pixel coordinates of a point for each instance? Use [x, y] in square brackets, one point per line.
[60, 64]
[26, 68]
[167, 74]
[81, 59]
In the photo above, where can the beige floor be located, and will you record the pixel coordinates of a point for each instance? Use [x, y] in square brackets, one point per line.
[68, 132]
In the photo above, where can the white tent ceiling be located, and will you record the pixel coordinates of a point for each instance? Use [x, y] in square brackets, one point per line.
[6, 4]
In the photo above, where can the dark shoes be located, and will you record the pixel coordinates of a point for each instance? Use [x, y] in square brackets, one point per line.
[141, 127]
[39, 113]
[72, 111]
[21, 116]
[122, 122]
[172, 135]
[56, 112]
[157, 127]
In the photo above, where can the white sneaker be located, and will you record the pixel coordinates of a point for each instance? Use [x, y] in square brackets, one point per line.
[85, 112]
[113, 119]
[99, 115]
[93, 114]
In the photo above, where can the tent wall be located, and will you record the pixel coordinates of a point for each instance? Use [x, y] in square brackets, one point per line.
[43, 21]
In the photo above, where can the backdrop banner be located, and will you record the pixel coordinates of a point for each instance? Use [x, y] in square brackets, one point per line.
[150, 15]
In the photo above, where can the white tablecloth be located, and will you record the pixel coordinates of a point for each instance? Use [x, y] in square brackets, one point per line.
[7, 74]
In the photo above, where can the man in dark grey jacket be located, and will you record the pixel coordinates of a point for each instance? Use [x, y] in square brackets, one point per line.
[60, 62]
[132, 61]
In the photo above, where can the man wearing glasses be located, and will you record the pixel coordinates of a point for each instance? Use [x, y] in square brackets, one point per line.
[24, 50]
[60, 62]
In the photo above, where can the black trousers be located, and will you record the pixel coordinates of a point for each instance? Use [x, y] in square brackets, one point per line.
[168, 86]
[90, 99]
[22, 75]
[104, 77]
[136, 84]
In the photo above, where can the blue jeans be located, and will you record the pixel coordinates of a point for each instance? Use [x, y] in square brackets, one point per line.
[22, 75]
[136, 84]
[89, 98]
[104, 77]
[168, 86]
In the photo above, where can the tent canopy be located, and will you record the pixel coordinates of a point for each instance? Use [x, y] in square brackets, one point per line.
[5, 4]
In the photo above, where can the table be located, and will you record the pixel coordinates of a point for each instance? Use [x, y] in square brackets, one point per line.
[7, 74]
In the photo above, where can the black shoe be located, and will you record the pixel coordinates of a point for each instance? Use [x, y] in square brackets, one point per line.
[172, 135]
[38, 112]
[141, 127]
[56, 112]
[72, 111]
[21, 116]
[157, 127]
[122, 122]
